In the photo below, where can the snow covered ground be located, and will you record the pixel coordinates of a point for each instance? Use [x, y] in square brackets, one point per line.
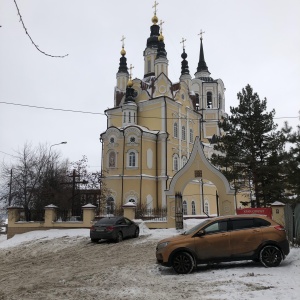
[64, 264]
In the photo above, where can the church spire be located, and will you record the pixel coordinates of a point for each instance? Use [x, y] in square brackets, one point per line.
[202, 64]
[123, 60]
[184, 63]
[161, 51]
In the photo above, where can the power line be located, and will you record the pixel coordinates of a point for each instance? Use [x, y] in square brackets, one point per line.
[98, 113]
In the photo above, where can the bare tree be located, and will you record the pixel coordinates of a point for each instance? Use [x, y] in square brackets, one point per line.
[26, 181]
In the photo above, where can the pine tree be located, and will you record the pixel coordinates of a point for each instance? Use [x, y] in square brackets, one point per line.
[251, 149]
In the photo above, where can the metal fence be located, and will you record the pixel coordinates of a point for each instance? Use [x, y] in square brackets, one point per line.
[64, 215]
[292, 223]
[152, 214]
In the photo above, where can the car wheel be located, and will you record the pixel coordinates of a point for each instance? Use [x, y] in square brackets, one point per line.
[183, 263]
[119, 237]
[270, 256]
[136, 233]
[95, 240]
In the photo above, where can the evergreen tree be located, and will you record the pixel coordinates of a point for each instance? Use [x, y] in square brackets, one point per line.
[293, 168]
[251, 150]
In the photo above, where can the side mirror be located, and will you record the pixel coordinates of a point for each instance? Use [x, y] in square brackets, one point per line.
[201, 233]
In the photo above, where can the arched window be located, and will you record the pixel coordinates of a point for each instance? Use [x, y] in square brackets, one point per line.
[175, 130]
[209, 99]
[149, 65]
[132, 201]
[184, 160]
[175, 162]
[110, 205]
[206, 207]
[193, 208]
[191, 136]
[184, 207]
[112, 159]
[183, 133]
[132, 159]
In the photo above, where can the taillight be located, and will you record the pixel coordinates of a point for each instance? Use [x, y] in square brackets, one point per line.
[279, 227]
[109, 228]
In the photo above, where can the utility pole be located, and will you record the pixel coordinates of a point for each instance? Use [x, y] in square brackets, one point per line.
[10, 183]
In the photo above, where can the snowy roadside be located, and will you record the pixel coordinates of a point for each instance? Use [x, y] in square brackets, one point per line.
[63, 264]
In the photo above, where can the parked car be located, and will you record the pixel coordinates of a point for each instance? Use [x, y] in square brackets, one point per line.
[114, 228]
[226, 238]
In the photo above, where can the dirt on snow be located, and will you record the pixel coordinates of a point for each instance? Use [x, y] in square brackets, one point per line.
[75, 268]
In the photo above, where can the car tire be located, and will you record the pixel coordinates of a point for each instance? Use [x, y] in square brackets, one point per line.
[119, 237]
[183, 263]
[270, 256]
[136, 233]
[95, 240]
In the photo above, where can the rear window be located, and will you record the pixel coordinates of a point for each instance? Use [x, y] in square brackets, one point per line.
[107, 221]
[242, 223]
[261, 222]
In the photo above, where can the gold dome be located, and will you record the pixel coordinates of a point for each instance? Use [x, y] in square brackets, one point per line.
[161, 38]
[123, 52]
[130, 83]
[154, 19]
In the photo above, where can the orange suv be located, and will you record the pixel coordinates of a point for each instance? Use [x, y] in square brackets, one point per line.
[226, 238]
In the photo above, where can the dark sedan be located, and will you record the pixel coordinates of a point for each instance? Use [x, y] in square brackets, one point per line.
[113, 228]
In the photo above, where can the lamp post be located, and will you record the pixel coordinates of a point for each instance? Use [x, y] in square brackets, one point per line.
[48, 161]
[55, 145]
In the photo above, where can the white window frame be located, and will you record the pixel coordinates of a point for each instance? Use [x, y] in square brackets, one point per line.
[175, 130]
[130, 156]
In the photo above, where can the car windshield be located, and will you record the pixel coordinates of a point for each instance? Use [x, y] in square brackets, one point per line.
[107, 221]
[197, 227]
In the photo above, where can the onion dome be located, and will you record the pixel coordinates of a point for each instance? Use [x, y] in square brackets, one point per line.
[184, 64]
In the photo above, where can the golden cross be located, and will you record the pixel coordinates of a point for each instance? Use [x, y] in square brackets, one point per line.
[160, 23]
[182, 42]
[122, 40]
[201, 32]
[155, 10]
[130, 70]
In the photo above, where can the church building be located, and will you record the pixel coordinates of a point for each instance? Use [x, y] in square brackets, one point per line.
[152, 126]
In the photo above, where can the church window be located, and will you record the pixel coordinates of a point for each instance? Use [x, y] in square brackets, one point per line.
[129, 117]
[191, 136]
[183, 133]
[182, 96]
[184, 207]
[131, 159]
[112, 140]
[149, 65]
[220, 101]
[134, 117]
[112, 159]
[184, 160]
[132, 139]
[197, 102]
[209, 99]
[175, 162]
[124, 120]
[193, 208]
[206, 207]
[175, 130]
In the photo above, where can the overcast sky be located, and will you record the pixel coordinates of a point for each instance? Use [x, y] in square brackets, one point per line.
[249, 41]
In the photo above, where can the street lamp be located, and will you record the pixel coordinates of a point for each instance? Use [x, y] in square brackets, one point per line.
[56, 145]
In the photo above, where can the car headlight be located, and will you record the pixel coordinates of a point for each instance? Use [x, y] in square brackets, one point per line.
[162, 245]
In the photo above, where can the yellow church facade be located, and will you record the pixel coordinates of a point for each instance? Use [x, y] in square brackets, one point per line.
[152, 127]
